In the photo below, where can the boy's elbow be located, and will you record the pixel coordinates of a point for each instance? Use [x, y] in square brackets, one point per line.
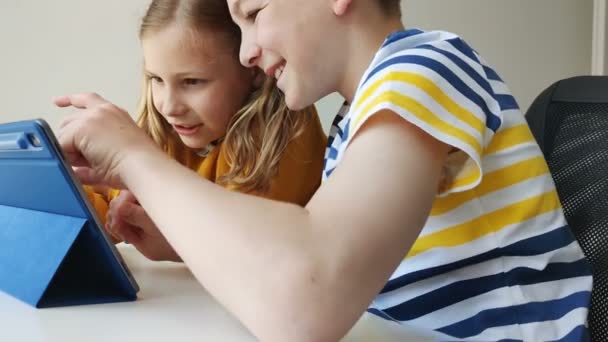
[304, 310]
[318, 332]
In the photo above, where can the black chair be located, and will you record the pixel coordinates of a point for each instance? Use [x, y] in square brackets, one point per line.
[570, 122]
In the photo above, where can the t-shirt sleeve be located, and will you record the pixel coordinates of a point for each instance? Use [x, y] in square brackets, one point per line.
[444, 92]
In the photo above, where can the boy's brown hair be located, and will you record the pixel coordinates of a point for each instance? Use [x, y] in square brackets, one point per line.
[391, 8]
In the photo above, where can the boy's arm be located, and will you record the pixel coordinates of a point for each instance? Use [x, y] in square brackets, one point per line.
[313, 270]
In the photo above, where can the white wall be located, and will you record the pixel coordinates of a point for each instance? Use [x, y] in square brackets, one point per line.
[531, 43]
[62, 46]
[55, 47]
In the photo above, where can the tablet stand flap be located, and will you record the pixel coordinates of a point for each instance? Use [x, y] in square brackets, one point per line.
[89, 274]
[33, 245]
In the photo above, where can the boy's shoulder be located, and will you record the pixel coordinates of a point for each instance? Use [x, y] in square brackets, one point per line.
[431, 50]
[427, 60]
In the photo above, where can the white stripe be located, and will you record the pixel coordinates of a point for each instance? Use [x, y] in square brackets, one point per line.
[511, 234]
[488, 99]
[398, 47]
[448, 139]
[569, 253]
[475, 65]
[510, 156]
[489, 203]
[538, 331]
[491, 103]
[500, 298]
[500, 88]
[453, 93]
[511, 118]
[411, 91]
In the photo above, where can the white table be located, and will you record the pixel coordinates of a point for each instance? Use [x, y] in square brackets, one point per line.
[171, 306]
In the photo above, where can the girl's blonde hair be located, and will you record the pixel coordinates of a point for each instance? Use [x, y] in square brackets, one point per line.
[257, 134]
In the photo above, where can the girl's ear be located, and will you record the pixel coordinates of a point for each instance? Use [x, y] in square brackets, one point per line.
[340, 7]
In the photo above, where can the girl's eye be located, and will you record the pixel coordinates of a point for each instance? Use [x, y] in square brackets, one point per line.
[193, 81]
[156, 79]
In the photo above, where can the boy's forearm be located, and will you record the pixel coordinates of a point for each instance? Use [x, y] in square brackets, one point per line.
[245, 252]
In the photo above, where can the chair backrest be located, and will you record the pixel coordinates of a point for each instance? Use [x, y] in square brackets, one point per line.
[570, 122]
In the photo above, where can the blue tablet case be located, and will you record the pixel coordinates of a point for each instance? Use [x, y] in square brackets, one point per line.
[52, 251]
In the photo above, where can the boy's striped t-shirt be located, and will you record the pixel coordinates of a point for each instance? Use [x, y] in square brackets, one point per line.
[496, 259]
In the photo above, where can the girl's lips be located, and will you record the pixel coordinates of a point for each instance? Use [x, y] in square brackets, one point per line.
[184, 130]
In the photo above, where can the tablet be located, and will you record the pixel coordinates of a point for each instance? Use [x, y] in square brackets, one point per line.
[53, 249]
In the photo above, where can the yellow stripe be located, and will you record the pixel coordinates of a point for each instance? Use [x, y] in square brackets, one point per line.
[488, 223]
[431, 89]
[493, 181]
[509, 137]
[422, 113]
[466, 179]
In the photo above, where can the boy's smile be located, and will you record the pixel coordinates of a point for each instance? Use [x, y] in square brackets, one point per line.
[293, 42]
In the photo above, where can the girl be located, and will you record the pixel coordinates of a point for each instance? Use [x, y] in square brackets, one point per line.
[212, 115]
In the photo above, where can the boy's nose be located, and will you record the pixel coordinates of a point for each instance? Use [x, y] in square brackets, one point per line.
[249, 54]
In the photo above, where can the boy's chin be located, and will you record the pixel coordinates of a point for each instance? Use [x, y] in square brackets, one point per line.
[295, 102]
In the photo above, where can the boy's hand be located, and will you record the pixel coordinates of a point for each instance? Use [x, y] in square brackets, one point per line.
[128, 221]
[99, 138]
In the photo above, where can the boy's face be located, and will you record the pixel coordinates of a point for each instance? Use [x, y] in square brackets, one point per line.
[197, 83]
[293, 41]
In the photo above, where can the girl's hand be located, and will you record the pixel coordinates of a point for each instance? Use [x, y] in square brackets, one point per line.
[99, 138]
[128, 221]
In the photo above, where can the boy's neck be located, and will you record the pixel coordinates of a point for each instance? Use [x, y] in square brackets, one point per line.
[365, 40]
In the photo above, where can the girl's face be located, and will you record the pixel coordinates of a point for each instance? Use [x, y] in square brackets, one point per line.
[197, 83]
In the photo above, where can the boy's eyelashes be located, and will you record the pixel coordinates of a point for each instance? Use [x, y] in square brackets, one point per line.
[252, 15]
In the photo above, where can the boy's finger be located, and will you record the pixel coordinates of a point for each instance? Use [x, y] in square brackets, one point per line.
[82, 100]
[87, 175]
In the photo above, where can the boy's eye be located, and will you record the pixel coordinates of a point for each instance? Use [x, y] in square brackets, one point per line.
[252, 16]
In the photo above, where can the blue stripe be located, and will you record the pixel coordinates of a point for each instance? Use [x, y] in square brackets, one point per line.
[464, 66]
[509, 340]
[506, 102]
[517, 314]
[465, 289]
[380, 313]
[335, 130]
[491, 74]
[492, 121]
[329, 172]
[333, 153]
[346, 131]
[397, 36]
[536, 245]
[464, 48]
[578, 334]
